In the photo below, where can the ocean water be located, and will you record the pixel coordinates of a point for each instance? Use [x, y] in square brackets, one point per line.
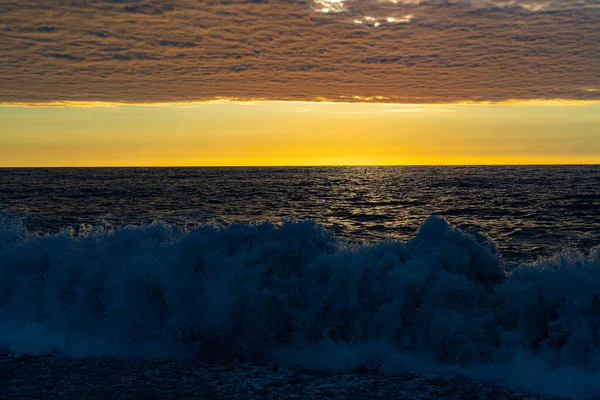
[492, 272]
[528, 211]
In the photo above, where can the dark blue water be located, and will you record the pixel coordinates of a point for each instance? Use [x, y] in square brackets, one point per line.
[456, 292]
[528, 211]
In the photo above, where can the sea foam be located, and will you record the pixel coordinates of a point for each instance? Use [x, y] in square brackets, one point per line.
[293, 293]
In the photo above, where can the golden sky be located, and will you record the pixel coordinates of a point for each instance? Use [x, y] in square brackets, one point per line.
[288, 133]
[299, 82]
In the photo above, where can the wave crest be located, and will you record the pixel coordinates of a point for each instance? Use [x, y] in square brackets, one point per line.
[261, 291]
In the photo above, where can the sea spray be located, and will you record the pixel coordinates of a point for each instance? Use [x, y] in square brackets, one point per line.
[296, 294]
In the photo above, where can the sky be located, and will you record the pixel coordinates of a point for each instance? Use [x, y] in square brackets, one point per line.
[299, 82]
[285, 133]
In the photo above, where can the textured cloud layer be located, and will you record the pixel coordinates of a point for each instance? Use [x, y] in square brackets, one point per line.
[341, 50]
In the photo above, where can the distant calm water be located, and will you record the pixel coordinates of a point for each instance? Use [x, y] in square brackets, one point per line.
[527, 210]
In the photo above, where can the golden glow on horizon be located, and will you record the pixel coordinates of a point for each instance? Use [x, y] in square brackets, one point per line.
[263, 133]
[356, 100]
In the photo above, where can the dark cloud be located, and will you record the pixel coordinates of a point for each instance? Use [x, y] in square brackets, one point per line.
[383, 50]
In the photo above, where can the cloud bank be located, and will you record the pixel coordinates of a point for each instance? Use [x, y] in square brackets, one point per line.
[405, 51]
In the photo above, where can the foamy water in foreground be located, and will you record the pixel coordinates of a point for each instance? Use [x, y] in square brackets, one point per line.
[442, 301]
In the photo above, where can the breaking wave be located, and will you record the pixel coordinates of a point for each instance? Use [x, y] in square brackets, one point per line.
[443, 300]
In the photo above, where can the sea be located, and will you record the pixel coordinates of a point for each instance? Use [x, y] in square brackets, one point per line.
[488, 272]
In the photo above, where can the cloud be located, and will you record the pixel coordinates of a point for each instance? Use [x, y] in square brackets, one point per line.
[530, 5]
[404, 51]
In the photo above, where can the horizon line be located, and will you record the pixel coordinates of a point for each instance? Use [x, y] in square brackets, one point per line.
[303, 166]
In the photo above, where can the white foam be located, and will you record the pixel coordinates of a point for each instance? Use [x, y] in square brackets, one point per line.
[441, 301]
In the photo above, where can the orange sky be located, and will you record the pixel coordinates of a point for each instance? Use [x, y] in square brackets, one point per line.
[142, 83]
[287, 133]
